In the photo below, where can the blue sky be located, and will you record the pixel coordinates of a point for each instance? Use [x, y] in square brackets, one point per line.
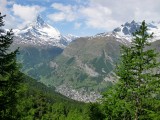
[79, 17]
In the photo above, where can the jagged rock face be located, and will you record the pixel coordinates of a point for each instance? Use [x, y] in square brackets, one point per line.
[128, 28]
[40, 22]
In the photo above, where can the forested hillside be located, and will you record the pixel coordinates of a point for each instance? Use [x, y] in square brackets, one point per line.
[40, 102]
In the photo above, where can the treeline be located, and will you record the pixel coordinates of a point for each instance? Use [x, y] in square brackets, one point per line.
[136, 96]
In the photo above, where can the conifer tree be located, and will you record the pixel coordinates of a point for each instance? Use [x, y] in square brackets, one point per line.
[10, 76]
[136, 94]
[94, 112]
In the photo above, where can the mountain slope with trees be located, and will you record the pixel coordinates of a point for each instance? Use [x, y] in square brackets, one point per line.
[22, 98]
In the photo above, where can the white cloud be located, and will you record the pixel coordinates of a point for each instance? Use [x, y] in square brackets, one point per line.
[3, 4]
[98, 16]
[128, 10]
[107, 14]
[65, 12]
[9, 19]
[27, 13]
[93, 15]
[61, 7]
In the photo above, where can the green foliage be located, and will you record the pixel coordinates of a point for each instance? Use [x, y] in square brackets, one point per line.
[43, 103]
[70, 61]
[135, 96]
[10, 76]
[94, 112]
[114, 106]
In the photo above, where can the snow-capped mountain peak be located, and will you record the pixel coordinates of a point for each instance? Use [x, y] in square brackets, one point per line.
[126, 30]
[39, 21]
[40, 33]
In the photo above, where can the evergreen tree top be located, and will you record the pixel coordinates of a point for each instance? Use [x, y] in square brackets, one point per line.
[1, 19]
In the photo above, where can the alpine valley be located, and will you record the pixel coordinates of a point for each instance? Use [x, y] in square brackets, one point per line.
[78, 67]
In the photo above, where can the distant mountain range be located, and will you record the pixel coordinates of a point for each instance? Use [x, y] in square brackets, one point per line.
[125, 31]
[78, 67]
[39, 33]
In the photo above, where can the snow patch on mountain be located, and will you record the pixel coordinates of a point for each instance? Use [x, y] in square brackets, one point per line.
[118, 37]
[70, 37]
[154, 28]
